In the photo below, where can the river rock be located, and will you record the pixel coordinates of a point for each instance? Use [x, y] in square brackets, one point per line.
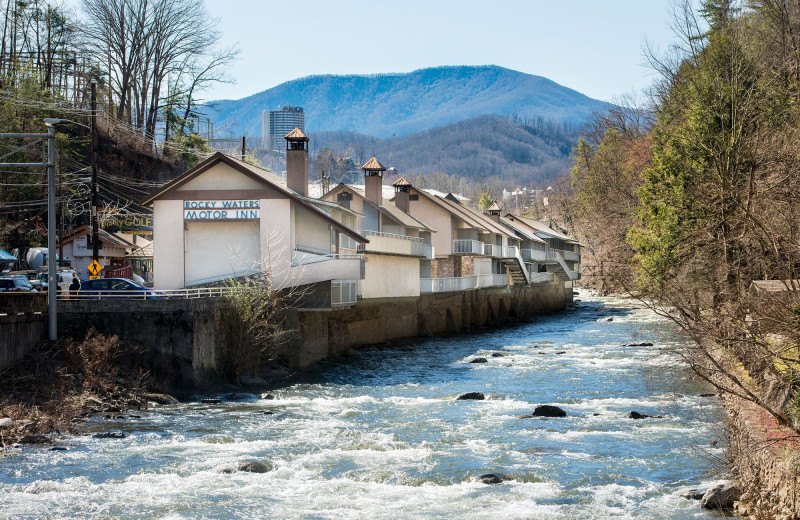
[6, 422]
[561, 352]
[471, 396]
[548, 410]
[637, 415]
[605, 320]
[694, 494]
[161, 398]
[497, 354]
[492, 478]
[253, 466]
[706, 395]
[479, 360]
[639, 344]
[109, 435]
[721, 497]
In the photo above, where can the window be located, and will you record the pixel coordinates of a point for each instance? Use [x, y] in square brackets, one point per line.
[413, 197]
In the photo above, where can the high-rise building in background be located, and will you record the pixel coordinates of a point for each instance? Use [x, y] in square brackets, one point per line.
[275, 124]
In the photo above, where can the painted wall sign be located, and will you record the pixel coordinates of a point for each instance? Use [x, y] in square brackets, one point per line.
[221, 209]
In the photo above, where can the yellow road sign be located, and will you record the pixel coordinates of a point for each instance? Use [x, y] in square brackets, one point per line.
[94, 276]
[95, 267]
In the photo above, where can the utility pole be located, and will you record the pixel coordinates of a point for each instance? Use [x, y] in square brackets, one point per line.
[52, 280]
[95, 224]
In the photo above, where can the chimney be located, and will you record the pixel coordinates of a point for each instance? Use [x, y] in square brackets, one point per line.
[373, 181]
[494, 212]
[297, 161]
[402, 189]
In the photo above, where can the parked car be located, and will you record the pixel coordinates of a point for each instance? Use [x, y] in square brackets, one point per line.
[117, 288]
[15, 283]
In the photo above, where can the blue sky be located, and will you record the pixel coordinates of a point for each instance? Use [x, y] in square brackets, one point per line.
[592, 46]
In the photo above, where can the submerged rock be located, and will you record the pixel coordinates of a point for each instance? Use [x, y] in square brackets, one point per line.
[109, 435]
[211, 400]
[546, 410]
[479, 360]
[161, 398]
[253, 466]
[471, 396]
[639, 344]
[637, 415]
[492, 478]
[605, 320]
[721, 497]
[497, 354]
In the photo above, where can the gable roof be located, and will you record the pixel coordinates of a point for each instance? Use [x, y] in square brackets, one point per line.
[261, 175]
[105, 237]
[524, 231]
[541, 228]
[389, 209]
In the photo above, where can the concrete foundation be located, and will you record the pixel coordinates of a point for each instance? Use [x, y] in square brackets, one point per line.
[23, 324]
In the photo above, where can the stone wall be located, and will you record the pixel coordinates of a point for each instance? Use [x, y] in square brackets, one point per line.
[443, 267]
[23, 324]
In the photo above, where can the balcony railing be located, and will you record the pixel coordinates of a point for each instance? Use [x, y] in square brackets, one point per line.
[571, 256]
[510, 252]
[464, 283]
[492, 250]
[467, 247]
[534, 255]
[428, 251]
[344, 292]
[392, 244]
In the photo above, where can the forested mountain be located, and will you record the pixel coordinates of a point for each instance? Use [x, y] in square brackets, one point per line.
[480, 148]
[385, 105]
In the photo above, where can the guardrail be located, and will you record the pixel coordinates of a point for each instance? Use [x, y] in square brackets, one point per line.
[492, 250]
[344, 292]
[510, 252]
[428, 251]
[467, 247]
[463, 283]
[313, 258]
[571, 256]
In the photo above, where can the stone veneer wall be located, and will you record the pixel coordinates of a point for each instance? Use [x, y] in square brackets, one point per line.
[443, 267]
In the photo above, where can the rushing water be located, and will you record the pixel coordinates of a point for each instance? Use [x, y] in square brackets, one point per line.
[380, 435]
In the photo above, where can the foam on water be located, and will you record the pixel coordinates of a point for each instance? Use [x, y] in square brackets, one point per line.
[381, 435]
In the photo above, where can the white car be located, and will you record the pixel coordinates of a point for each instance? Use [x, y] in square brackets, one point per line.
[64, 279]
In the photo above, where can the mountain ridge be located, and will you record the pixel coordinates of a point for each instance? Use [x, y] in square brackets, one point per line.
[399, 104]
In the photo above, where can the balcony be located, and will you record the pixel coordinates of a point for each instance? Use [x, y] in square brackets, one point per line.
[389, 243]
[510, 252]
[428, 251]
[533, 255]
[309, 268]
[571, 256]
[492, 250]
[344, 293]
[541, 277]
[467, 247]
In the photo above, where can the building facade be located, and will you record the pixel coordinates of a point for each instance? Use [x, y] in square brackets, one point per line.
[275, 124]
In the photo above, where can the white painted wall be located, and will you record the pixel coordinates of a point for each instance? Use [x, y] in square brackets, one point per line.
[217, 250]
[221, 177]
[482, 265]
[311, 232]
[390, 277]
[168, 244]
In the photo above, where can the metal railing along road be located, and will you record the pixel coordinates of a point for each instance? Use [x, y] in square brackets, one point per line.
[467, 247]
[147, 294]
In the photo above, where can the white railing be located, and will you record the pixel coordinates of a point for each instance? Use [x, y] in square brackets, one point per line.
[428, 251]
[344, 292]
[148, 294]
[467, 247]
[492, 250]
[392, 243]
[492, 280]
[431, 285]
[541, 277]
[510, 252]
[571, 256]
[534, 255]
[304, 258]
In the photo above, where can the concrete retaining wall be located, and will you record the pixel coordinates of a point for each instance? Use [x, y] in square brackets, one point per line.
[182, 340]
[23, 324]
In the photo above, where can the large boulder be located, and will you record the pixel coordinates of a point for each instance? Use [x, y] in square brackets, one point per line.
[548, 410]
[637, 415]
[253, 466]
[721, 497]
[471, 396]
[492, 478]
[479, 360]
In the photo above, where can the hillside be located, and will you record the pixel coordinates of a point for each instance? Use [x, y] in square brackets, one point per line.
[387, 105]
[479, 148]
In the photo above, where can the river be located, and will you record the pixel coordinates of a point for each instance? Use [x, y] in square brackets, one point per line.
[379, 434]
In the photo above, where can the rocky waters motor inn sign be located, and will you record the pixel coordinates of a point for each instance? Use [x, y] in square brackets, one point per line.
[221, 209]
